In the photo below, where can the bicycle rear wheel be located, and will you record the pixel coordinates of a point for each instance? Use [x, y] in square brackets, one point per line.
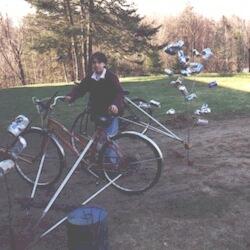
[40, 143]
[81, 131]
[136, 157]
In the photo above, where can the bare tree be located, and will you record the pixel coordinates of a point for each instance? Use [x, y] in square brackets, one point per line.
[11, 48]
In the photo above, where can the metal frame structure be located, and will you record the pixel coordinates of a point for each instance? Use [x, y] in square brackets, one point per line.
[164, 130]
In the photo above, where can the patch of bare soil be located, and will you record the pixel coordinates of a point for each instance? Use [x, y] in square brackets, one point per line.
[202, 206]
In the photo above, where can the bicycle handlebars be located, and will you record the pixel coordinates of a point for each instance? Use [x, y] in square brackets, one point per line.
[56, 99]
[47, 103]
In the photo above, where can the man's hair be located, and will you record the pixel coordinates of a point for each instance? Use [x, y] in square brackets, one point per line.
[100, 57]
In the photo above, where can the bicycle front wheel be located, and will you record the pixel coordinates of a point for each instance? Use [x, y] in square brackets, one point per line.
[136, 157]
[42, 150]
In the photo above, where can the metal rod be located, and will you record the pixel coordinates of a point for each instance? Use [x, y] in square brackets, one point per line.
[66, 179]
[38, 176]
[148, 126]
[153, 119]
[84, 203]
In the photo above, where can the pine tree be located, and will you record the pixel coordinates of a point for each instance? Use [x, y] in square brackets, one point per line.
[75, 27]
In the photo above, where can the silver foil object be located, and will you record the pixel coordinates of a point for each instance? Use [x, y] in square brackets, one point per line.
[18, 125]
[197, 112]
[171, 112]
[201, 122]
[183, 60]
[207, 53]
[183, 90]
[203, 110]
[169, 72]
[191, 97]
[144, 105]
[196, 52]
[213, 84]
[185, 72]
[173, 48]
[179, 81]
[155, 103]
[176, 83]
[173, 83]
[195, 68]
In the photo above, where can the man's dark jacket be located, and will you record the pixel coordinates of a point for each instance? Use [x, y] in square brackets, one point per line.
[103, 93]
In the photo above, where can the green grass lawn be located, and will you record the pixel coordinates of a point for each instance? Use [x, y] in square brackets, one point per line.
[230, 98]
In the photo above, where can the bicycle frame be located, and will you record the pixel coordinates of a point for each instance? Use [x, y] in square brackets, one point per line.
[64, 134]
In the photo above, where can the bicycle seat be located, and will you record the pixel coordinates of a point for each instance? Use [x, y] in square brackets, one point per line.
[102, 121]
[126, 92]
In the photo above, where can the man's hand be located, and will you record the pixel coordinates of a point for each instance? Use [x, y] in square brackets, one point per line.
[68, 98]
[113, 109]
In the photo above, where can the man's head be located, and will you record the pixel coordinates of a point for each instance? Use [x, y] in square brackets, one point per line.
[99, 61]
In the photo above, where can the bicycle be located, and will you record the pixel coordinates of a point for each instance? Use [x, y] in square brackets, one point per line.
[84, 126]
[137, 158]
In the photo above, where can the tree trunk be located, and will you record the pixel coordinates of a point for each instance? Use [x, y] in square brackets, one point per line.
[78, 62]
[83, 40]
[65, 73]
[21, 70]
[86, 63]
[90, 36]
[71, 64]
[249, 60]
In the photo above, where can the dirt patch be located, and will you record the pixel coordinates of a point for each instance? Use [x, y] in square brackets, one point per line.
[203, 206]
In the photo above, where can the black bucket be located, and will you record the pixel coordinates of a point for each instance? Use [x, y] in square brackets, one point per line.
[87, 229]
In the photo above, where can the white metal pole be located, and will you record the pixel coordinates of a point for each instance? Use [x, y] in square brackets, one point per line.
[84, 203]
[66, 179]
[38, 176]
[153, 119]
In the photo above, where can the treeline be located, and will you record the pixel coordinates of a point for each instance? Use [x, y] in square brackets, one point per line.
[56, 43]
[229, 39]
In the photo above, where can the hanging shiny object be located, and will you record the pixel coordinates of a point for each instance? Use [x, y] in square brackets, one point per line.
[155, 103]
[144, 105]
[213, 84]
[201, 122]
[185, 72]
[183, 60]
[191, 97]
[203, 110]
[171, 112]
[196, 52]
[173, 48]
[169, 72]
[207, 53]
[176, 83]
[195, 68]
[183, 90]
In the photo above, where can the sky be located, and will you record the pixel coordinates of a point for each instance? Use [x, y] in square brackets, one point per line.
[210, 8]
